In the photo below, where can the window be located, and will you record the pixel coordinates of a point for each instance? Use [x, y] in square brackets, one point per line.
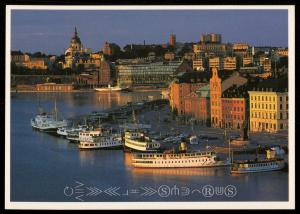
[287, 98]
[262, 98]
[280, 98]
[280, 106]
[287, 106]
[281, 126]
[280, 116]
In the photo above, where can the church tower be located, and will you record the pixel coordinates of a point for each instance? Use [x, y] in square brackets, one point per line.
[75, 43]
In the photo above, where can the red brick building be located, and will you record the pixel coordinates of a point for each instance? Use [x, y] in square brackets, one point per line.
[183, 85]
[223, 108]
[197, 105]
[51, 87]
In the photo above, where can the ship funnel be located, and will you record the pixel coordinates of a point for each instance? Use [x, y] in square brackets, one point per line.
[182, 147]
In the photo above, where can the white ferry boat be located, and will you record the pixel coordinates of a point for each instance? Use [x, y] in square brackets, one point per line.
[110, 89]
[271, 163]
[102, 142]
[89, 135]
[64, 131]
[178, 160]
[137, 141]
[47, 122]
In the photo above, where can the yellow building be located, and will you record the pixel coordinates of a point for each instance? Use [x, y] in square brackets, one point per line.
[268, 110]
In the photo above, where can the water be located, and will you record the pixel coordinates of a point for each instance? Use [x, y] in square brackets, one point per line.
[49, 168]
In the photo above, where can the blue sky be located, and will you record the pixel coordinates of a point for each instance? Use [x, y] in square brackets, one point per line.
[50, 31]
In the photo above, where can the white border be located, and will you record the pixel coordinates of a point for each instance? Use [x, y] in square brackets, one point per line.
[156, 205]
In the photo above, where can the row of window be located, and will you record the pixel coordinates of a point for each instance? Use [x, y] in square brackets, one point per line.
[182, 161]
[264, 115]
[266, 106]
[268, 98]
[266, 126]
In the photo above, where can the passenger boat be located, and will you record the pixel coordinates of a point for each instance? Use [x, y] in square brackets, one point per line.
[271, 163]
[111, 89]
[181, 159]
[89, 135]
[102, 142]
[64, 131]
[137, 141]
[48, 122]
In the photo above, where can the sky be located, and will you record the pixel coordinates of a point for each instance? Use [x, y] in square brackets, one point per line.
[50, 31]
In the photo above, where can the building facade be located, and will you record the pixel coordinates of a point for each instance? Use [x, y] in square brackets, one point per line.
[214, 62]
[229, 63]
[53, 87]
[197, 105]
[268, 110]
[148, 73]
[219, 108]
[198, 64]
[211, 38]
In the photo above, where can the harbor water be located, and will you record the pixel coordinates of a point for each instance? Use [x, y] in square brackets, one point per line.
[46, 168]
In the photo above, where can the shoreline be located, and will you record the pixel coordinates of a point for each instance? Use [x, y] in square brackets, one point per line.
[87, 90]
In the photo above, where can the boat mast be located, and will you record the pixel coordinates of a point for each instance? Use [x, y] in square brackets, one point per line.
[55, 110]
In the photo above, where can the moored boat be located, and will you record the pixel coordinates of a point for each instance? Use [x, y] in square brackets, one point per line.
[48, 122]
[270, 163]
[181, 159]
[137, 141]
[102, 142]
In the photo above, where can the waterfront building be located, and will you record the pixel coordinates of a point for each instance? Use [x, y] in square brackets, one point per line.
[172, 40]
[53, 87]
[184, 84]
[197, 105]
[106, 74]
[220, 81]
[229, 63]
[19, 58]
[269, 106]
[211, 38]
[149, 73]
[37, 63]
[234, 112]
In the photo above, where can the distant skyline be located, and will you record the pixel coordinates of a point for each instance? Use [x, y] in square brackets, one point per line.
[50, 31]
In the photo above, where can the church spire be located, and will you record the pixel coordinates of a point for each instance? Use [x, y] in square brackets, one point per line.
[75, 33]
